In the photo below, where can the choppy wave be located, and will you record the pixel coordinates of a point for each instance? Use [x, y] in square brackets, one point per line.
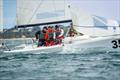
[86, 66]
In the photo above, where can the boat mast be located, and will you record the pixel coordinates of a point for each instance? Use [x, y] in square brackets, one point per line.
[1, 22]
[1, 16]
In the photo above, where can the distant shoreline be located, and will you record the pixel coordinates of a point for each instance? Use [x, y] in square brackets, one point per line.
[17, 38]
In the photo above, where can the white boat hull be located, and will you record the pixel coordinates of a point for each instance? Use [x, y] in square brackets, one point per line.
[31, 49]
[80, 43]
[111, 43]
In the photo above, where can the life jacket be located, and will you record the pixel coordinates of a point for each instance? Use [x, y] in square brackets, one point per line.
[49, 37]
[50, 30]
[46, 36]
[50, 33]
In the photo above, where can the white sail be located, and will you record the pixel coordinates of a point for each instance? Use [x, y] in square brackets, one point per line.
[89, 24]
[1, 15]
[82, 21]
[41, 11]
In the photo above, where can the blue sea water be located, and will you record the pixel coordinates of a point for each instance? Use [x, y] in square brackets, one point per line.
[98, 65]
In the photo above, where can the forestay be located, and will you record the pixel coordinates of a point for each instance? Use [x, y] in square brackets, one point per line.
[41, 11]
[1, 15]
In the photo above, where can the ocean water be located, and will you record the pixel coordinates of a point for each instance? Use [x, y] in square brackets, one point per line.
[101, 65]
[73, 66]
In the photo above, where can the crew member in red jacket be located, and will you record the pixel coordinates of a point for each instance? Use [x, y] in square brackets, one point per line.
[49, 36]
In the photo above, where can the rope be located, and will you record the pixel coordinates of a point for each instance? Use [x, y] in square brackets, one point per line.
[36, 10]
[3, 43]
[32, 17]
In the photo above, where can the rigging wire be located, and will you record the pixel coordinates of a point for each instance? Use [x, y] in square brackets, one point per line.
[32, 18]
[39, 5]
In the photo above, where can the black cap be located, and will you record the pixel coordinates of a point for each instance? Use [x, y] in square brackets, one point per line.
[50, 26]
[57, 26]
[45, 27]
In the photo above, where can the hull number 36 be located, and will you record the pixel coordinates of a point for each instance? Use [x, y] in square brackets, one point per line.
[116, 43]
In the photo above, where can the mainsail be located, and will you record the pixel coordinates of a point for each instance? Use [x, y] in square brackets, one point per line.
[41, 11]
[1, 15]
[30, 12]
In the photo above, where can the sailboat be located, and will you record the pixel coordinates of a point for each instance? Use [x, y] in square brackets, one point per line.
[91, 31]
[29, 15]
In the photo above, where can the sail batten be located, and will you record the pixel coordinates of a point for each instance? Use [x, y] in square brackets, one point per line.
[1, 15]
[40, 11]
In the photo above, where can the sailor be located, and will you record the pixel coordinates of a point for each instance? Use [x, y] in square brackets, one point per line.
[59, 32]
[71, 33]
[50, 39]
[41, 36]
